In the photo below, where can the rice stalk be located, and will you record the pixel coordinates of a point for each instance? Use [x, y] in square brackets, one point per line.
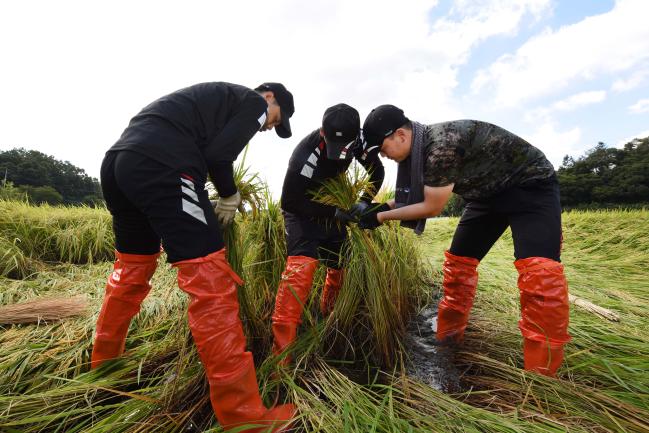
[43, 310]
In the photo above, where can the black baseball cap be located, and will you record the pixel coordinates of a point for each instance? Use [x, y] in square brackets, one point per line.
[341, 124]
[382, 122]
[284, 99]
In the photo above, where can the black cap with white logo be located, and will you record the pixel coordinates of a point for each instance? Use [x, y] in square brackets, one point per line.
[381, 123]
[340, 126]
[284, 99]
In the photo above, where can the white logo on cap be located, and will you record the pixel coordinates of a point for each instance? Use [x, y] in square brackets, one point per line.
[339, 134]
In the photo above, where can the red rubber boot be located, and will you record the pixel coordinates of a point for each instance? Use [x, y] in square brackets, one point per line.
[460, 282]
[545, 313]
[126, 288]
[218, 334]
[333, 283]
[297, 277]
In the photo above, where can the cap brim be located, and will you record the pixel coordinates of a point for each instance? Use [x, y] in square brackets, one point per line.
[336, 148]
[284, 129]
[373, 141]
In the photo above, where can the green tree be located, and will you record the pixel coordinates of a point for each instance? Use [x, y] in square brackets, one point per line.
[607, 176]
[35, 169]
[42, 194]
[454, 207]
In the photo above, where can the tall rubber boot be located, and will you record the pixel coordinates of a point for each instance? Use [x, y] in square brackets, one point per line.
[544, 313]
[460, 282]
[218, 334]
[333, 283]
[297, 277]
[126, 288]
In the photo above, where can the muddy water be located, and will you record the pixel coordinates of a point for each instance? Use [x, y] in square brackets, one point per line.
[429, 363]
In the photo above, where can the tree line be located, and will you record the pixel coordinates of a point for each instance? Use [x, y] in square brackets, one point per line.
[603, 177]
[44, 179]
[607, 177]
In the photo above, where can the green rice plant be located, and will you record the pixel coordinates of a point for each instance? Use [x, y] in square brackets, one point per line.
[58, 233]
[13, 262]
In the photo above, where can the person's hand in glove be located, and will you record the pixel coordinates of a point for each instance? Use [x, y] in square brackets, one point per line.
[226, 207]
[359, 209]
[344, 217]
[369, 219]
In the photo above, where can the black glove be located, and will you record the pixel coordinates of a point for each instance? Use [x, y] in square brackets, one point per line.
[343, 217]
[369, 219]
[359, 209]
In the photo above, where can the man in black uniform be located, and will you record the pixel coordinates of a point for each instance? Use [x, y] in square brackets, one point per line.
[506, 182]
[153, 180]
[315, 230]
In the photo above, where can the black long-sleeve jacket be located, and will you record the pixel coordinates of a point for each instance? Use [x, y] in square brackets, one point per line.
[309, 167]
[198, 129]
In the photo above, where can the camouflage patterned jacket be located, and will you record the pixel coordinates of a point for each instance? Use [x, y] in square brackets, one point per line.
[481, 159]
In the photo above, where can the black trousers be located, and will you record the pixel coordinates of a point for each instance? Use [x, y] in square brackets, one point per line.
[153, 204]
[322, 240]
[532, 211]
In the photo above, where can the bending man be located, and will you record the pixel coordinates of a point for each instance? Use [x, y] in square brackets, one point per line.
[315, 231]
[506, 182]
[153, 180]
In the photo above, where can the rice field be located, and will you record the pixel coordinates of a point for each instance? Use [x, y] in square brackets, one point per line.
[349, 370]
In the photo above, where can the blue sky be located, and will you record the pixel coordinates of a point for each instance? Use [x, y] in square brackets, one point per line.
[562, 74]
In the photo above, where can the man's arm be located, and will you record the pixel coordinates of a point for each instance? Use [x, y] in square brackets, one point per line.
[226, 146]
[435, 198]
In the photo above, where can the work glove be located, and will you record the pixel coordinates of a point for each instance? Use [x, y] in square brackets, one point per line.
[226, 207]
[343, 217]
[369, 219]
[359, 209]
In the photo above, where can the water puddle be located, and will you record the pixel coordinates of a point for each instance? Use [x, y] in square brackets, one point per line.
[429, 363]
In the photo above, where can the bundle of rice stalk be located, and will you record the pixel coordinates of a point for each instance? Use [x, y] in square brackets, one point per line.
[43, 310]
[250, 186]
[344, 190]
[264, 258]
[385, 281]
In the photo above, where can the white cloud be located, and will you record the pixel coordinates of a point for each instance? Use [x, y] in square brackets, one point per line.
[605, 44]
[634, 80]
[642, 106]
[639, 135]
[554, 143]
[80, 70]
[570, 103]
[580, 100]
